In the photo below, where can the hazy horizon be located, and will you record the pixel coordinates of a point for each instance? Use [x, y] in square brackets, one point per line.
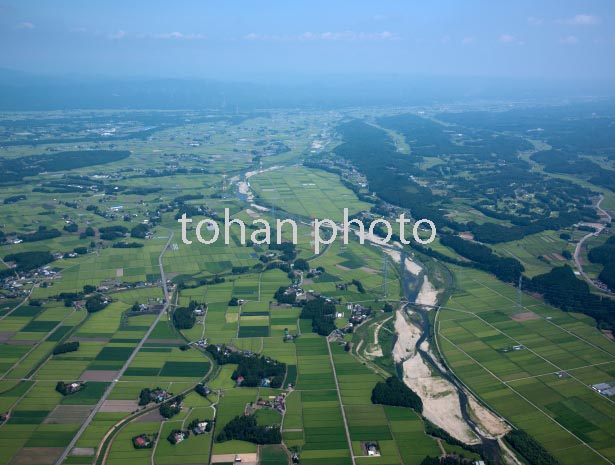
[255, 42]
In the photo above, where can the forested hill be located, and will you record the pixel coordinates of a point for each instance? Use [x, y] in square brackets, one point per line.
[15, 169]
[370, 149]
[479, 169]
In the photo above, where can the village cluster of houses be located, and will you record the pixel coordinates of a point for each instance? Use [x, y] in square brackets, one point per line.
[159, 395]
[112, 284]
[606, 389]
[196, 428]
[274, 402]
[515, 348]
[600, 285]
[358, 313]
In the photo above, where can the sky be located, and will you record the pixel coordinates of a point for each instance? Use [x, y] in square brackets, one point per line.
[250, 40]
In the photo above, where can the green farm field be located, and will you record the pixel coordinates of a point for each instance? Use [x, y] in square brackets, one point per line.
[544, 387]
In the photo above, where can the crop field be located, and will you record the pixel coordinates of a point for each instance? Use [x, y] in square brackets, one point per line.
[530, 362]
[306, 192]
[316, 418]
[398, 431]
[538, 253]
[544, 385]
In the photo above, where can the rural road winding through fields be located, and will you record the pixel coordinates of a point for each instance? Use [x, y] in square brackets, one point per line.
[579, 246]
[102, 400]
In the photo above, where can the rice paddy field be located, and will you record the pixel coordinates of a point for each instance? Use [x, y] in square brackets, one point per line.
[538, 253]
[544, 385]
[543, 388]
[43, 422]
[306, 192]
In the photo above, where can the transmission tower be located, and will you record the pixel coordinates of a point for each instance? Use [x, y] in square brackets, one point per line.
[519, 295]
[384, 273]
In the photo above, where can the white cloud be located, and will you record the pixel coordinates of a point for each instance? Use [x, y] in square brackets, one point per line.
[326, 36]
[570, 40]
[445, 39]
[117, 35]
[534, 21]
[178, 36]
[25, 25]
[468, 40]
[507, 38]
[581, 20]
[510, 39]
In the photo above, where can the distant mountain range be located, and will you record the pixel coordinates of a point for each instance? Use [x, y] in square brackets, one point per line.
[21, 91]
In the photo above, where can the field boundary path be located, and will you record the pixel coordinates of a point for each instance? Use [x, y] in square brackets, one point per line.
[136, 350]
[339, 395]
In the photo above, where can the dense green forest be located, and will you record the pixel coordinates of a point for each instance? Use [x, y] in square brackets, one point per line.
[183, 317]
[605, 255]
[478, 170]
[15, 169]
[529, 449]
[245, 428]
[321, 313]
[393, 391]
[253, 368]
[563, 289]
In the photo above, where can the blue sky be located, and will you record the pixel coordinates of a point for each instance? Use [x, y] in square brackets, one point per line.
[252, 39]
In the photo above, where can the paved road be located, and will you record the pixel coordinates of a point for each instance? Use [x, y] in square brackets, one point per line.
[90, 417]
[21, 303]
[578, 248]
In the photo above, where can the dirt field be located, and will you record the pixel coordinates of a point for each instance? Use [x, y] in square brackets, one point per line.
[119, 406]
[37, 455]
[246, 459]
[64, 414]
[367, 269]
[6, 335]
[374, 350]
[98, 375]
[525, 316]
[151, 416]
[83, 451]
[164, 341]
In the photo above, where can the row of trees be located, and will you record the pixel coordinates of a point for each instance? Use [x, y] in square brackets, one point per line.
[507, 269]
[66, 347]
